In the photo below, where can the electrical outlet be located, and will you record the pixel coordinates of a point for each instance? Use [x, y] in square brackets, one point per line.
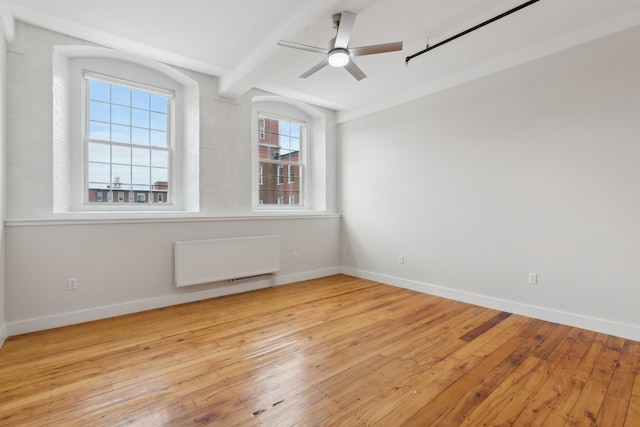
[401, 259]
[72, 284]
[533, 278]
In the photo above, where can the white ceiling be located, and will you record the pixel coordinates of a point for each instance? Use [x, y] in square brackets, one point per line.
[236, 40]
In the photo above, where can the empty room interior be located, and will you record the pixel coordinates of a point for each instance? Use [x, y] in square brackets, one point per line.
[343, 212]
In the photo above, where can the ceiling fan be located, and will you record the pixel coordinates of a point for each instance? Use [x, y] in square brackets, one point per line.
[339, 53]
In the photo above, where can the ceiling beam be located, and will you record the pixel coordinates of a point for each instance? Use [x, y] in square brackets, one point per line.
[256, 65]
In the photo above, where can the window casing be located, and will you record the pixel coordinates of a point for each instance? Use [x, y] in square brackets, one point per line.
[281, 145]
[315, 174]
[128, 139]
[70, 175]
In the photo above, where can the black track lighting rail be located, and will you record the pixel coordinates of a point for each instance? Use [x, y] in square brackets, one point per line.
[487, 22]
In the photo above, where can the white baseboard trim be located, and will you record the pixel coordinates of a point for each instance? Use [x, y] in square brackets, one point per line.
[3, 334]
[308, 275]
[609, 327]
[96, 313]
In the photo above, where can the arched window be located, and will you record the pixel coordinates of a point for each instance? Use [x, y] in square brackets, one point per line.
[289, 155]
[126, 133]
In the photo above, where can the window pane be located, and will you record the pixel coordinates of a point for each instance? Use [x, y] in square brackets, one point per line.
[288, 156]
[159, 175]
[140, 136]
[158, 103]
[120, 95]
[273, 153]
[121, 155]
[140, 118]
[120, 133]
[99, 131]
[99, 172]
[141, 175]
[295, 144]
[281, 181]
[99, 91]
[141, 156]
[159, 121]
[120, 115]
[160, 158]
[99, 153]
[127, 120]
[121, 176]
[284, 141]
[99, 111]
[158, 138]
[140, 99]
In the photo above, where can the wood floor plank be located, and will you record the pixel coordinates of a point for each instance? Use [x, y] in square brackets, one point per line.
[464, 395]
[633, 410]
[613, 409]
[331, 351]
[585, 410]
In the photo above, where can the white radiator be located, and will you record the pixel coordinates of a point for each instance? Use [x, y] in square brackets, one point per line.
[204, 261]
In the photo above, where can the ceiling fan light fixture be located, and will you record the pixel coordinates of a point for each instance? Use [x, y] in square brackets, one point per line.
[339, 57]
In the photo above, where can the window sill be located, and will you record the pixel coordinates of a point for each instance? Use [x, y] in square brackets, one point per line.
[86, 218]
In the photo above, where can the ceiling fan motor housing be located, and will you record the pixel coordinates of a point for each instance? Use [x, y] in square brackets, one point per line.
[339, 54]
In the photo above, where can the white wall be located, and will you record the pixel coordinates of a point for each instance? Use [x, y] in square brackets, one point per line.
[531, 170]
[127, 265]
[225, 136]
[3, 141]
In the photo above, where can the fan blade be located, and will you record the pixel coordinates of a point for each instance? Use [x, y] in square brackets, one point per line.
[345, 28]
[355, 71]
[378, 48]
[303, 47]
[319, 66]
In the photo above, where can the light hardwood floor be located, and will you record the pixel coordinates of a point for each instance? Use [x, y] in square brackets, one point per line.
[337, 351]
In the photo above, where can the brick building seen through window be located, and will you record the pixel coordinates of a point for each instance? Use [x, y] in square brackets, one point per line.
[116, 193]
[280, 162]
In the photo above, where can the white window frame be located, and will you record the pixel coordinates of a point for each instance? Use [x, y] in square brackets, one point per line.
[169, 94]
[281, 168]
[317, 180]
[69, 156]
